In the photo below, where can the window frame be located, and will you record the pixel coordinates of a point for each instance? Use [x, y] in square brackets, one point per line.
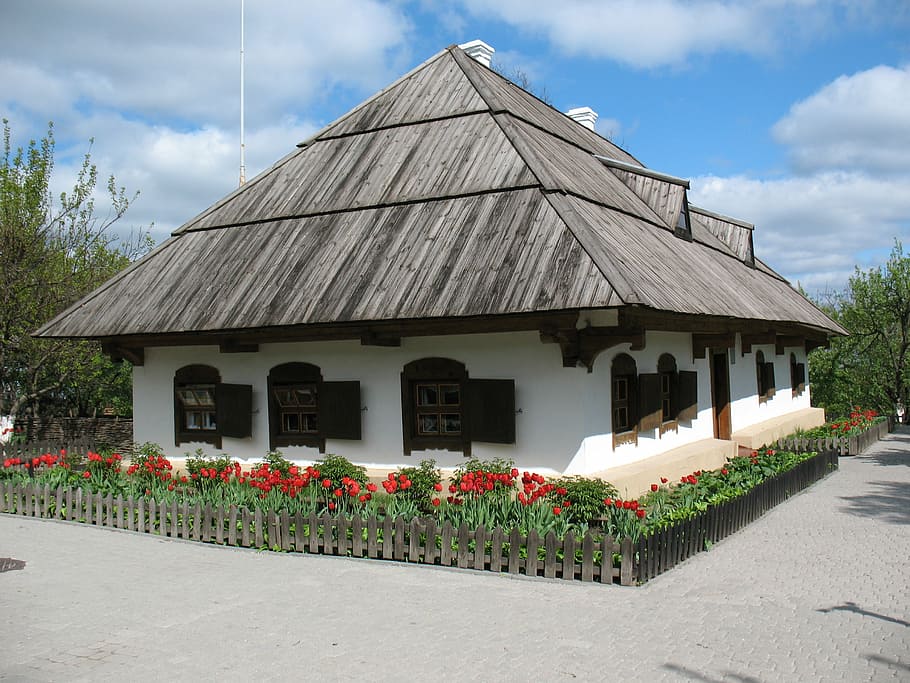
[765, 382]
[669, 375]
[335, 410]
[193, 378]
[486, 407]
[624, 369]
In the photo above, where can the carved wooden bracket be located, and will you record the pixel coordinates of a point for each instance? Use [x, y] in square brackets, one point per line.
[784, 340]
[234, 346]
[812, 344]
[701, 342]
[373, 338]
[750, 340]
[136, 356]
[583, 346]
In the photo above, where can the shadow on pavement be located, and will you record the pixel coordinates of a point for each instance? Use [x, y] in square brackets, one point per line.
[856, 609]
[696, 676]
[890, 663]
[895, 450]
[884, 500]
[8, 564]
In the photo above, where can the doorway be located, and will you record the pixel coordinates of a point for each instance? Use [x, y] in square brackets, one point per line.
[720, 394]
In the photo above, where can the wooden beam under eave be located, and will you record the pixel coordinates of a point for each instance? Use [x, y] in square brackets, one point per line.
[373, 338]
[568, 340]
[812, 344]
[135, 356]
[233, 346]
[785, 340]
[754, 339]
[594, 340]
[701, 342]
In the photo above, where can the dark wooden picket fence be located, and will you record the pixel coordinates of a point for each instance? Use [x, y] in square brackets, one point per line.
[844, 445]
[665, 549]
[589, 558]
[33, 449]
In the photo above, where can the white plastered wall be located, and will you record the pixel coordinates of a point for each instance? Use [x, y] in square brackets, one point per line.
[745, 408]
[563, 423]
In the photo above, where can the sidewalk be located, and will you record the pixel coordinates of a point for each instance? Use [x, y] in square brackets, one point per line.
[816, 590]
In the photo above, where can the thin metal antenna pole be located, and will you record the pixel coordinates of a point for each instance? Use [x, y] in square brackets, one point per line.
[242, 146]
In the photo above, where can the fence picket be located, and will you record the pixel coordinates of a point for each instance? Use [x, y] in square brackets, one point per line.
[414, 540]
[372, 537]
[463, 547]
[532, 559]
[496, 539]
[549, 560]
[387, 538]
[445, 555]
[515, 543]
[429, 548]
[568, 556]
[356, 536]
[480, 547]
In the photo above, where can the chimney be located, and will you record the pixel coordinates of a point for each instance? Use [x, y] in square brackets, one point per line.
[584, 115]
[479, 51]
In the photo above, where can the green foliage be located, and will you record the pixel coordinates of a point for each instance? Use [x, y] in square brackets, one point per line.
[336, 468]
[871, 367]
[585, 496]
[424, 479]
[52, 252]
[198, 461]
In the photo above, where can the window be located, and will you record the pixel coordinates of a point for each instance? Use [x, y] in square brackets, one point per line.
[764, 373]
[797, 376]
[664, 398]
[205, 409]
[305, 410]
[624, 380]
[443, 408]
[683, 228]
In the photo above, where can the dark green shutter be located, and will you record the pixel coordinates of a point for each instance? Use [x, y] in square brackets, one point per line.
[339, 410]
[688, 396]
[490, 408]
[234, 410]
[649, 408]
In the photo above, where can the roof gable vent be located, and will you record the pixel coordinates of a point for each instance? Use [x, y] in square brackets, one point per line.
[584, 115]
[479, 51]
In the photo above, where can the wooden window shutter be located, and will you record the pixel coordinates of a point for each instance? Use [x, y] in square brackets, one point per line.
[490, 407]
[688, 395]
[768, 379]
[801, 377]
[649, 410]
[339, 410]
[234, 410]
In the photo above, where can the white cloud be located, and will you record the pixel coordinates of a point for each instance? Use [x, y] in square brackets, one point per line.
[813, 229]
[658, 32]
[860, 121]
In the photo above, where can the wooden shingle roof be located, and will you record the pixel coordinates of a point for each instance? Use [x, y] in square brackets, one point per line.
[451, 193]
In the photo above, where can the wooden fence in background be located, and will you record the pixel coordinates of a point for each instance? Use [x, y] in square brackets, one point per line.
[588, 558]
[844, 445]
[665, 549]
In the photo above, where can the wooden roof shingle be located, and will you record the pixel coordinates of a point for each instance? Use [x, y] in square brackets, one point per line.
[452, 193]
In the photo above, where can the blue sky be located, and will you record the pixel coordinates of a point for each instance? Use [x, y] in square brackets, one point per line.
[790, 114]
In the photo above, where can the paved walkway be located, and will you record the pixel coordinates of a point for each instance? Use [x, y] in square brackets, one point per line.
[817, 590]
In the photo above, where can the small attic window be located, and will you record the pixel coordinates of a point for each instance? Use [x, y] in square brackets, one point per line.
[683, 227]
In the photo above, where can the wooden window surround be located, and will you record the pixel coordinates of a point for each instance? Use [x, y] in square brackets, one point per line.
[669, 394]
[624, 400]
[797, 376]
[305, 410]
[205, 409]
[441, 407]
[764, 374]
[667, 397]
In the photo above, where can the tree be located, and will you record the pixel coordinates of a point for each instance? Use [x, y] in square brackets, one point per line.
[871, 367]
[51, 254]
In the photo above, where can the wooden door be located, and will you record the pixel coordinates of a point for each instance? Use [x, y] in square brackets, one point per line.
[720, 394]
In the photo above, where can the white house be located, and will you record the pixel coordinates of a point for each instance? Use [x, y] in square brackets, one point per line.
[454, 268]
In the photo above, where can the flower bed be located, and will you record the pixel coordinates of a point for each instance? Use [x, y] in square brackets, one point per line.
[849, 435]
[488, 503]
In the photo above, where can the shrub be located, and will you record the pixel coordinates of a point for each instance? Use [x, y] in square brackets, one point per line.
[425, 485]
[581, 500]
[336, 468]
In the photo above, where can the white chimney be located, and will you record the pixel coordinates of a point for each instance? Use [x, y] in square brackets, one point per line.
[479, 51]
[584, 115]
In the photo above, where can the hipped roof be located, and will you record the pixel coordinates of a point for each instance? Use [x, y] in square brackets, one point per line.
[451, 193]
